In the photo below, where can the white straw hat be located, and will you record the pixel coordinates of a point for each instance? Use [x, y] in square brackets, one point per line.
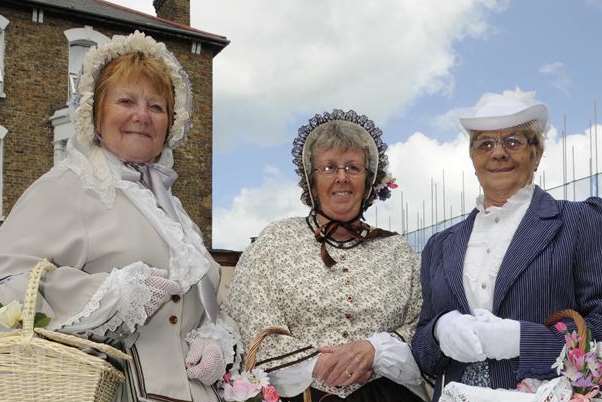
[500, 111]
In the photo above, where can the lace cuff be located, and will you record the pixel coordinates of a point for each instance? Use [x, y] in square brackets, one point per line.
[118, 303]
[293, 380]
[393, 359]
[225, 333]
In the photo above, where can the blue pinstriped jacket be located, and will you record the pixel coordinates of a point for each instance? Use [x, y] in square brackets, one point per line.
[554, 262]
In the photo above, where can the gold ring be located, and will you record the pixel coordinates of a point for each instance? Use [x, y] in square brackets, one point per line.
[349, 373]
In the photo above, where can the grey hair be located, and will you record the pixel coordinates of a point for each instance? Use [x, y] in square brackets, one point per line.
[343, 135]
[530, 129]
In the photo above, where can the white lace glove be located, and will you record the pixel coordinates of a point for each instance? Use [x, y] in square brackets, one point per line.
[458, 338]
[205, 361]
[500, 337]
[161, 290]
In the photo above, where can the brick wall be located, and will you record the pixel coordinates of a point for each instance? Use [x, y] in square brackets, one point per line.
[36, 63]
[173, 10]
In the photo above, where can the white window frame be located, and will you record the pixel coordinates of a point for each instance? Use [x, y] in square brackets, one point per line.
[87, 37]
[3, 132]
[38, 15]
[3, 24]
[196, 48]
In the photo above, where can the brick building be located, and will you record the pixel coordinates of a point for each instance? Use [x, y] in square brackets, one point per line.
[42, 44]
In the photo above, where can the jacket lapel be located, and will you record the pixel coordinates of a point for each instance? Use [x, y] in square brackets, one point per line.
[537, 228]
[455, 247]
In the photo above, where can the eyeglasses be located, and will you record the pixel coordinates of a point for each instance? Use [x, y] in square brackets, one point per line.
[350, 169]
[511, 143]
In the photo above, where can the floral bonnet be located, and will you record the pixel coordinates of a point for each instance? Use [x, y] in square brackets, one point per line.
[378, 163]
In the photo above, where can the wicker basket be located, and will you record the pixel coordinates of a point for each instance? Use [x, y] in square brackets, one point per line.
[579, 323]
[251, 355]
[42, 365]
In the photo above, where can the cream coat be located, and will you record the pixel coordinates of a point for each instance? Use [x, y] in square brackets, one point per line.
[58, 219]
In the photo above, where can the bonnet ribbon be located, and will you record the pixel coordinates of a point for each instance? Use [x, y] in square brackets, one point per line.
[357, 229]
[159, 179]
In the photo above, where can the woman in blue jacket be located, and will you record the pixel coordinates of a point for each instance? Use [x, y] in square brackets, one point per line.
[490, 282]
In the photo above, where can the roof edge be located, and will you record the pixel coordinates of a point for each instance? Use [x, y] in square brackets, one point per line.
[179, 30]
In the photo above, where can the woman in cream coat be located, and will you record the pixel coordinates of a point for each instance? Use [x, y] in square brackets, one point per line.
[132, 267]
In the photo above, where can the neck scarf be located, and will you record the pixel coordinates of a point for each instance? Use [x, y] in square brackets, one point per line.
[358, 230]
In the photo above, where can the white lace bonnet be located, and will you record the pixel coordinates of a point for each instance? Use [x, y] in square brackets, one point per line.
[83, 154]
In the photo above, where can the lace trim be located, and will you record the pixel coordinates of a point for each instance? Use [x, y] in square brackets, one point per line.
[225, 332]
[86, 158]
[188, 258]
[129, 284]
[97, 171]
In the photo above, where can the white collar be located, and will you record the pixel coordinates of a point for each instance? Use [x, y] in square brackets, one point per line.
[518, 199]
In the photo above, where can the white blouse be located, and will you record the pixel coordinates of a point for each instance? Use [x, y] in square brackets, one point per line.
[492, 232]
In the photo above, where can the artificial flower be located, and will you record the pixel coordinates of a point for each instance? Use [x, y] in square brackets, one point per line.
[270, 394]
[240, 389]
[10, 315]
[581, 366]
[249, 386]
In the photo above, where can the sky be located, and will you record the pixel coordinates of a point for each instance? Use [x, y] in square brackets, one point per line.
[412, 66]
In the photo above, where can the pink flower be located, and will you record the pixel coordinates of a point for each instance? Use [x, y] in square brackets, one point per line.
[240, 390]
[561, 327]
[571, 340]
[228, 377]
[270, 394]
[391, 184]
[577, 357]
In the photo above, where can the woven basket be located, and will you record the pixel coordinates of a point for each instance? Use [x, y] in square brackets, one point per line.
[579, 323]
[251, 355]
[42, 365]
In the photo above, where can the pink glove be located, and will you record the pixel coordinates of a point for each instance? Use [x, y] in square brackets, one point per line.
[161, 290]
[205, 361]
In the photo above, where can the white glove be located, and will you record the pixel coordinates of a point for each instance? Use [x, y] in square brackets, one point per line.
[458, 338]
[500, 337]
[205, 361]
[161, 290]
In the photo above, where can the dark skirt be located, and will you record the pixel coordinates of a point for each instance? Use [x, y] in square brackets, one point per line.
[380, 390]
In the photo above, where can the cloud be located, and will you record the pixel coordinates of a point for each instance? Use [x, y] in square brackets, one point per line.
[277, 197]
[594, 3]
[415, 162]
[559, 76]
[146, 6]
[435, 179]
[289, 60]
[449, 120]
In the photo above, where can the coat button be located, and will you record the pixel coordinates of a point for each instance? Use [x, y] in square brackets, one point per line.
[348, 316]
[175, 298]
[345, 270]
[173, 319]
[349, 299]
[497, 220]
[345, 334]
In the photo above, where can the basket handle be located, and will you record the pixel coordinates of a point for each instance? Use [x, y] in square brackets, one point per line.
[251, 356]
[579, 322]
[31, 296]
